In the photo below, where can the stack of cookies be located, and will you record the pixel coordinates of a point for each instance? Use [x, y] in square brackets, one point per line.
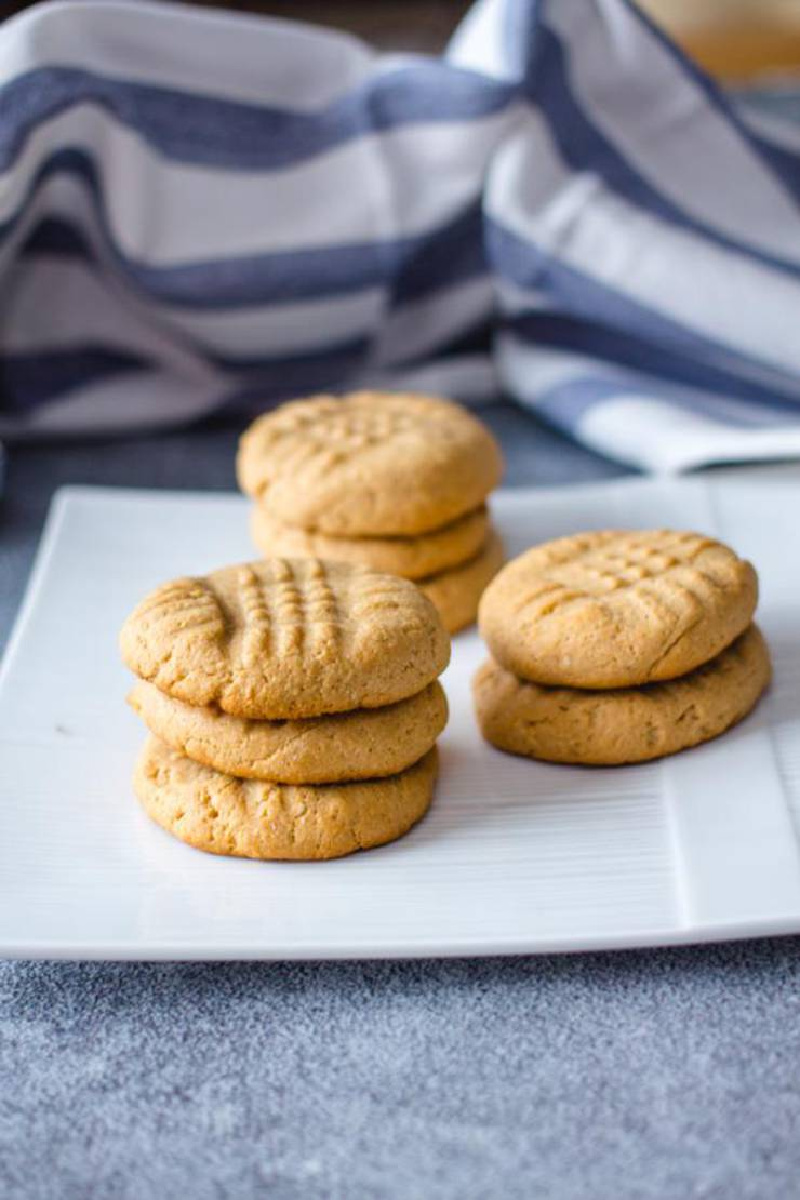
[613, 648]
[293, 707]
[393, 481]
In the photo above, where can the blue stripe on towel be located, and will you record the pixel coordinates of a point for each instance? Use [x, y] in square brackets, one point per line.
[583, 146]
[785, 164]
[29, 380]
[529, 266]
[193, 128]
[225, 210]
[566, 404]
[625, 349]
[413, 266]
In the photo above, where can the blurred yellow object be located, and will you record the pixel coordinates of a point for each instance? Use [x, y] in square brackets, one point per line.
[736, 40]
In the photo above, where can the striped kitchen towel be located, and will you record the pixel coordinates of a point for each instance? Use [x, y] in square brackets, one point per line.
[201, 212]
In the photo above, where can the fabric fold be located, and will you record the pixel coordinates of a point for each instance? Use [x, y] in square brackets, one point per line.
[201, 211]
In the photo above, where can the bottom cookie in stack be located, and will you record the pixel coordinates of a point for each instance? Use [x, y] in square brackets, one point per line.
[619, 648]
[250, 818]
[293, 708]
[627, 725]
[456, 593]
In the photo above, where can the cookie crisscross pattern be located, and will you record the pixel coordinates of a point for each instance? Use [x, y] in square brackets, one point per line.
[184, 604]
[287, 638]
[286, 612]
[659, 572]
[617, 608]
[321, 435]
[368, 464]
[341, 426]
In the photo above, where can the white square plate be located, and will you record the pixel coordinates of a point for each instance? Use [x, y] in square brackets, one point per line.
[515, 856]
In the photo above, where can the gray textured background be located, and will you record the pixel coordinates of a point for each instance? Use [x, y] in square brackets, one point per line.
[670, 1074]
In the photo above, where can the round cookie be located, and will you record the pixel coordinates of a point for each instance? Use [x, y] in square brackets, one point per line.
[455, 594]
[363, 744]
[370, 463]
[411, 557]
[284, 638]
[249, 819]
[626, 726]
[616, 609]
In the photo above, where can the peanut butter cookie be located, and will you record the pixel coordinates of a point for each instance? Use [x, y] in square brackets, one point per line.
[362, 744]
[283, 638]
[411, 557]
[457, 592]
[612, 609]
[630, 725]
[368, 464]
[242, 817]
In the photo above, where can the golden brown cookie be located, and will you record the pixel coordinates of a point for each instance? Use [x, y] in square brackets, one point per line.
[363, 744]
[250, 819]
[626, 726]
[284, 638]
[456, 593]
[612, 610]
[411, 557]
[370, 463]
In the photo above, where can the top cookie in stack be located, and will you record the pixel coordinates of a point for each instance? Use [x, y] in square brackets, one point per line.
[397, 482]
[616, 647]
